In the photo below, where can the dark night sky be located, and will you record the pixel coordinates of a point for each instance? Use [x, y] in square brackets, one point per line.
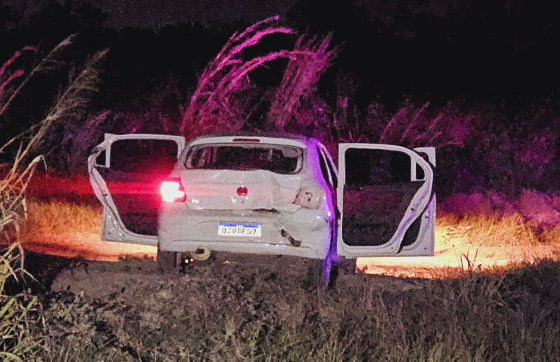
[157, 13]
[434, 49]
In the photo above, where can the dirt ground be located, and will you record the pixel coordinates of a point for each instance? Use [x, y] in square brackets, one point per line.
[132, 279]
[451, 252]
[453, 249]
[110, 301]
[129, 310]
[105, 260]
[100, 268]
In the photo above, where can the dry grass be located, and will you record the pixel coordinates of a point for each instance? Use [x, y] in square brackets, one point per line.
[495, 239]
[222, 100]
[522, 230]
[18, 309]
[478, 241]
[476, 230]
[241, 313]
[72, 230]
[473, 244]
[48, 219]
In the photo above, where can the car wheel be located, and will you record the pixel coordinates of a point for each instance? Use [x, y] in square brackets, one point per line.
[341, 268]
[319, 272]
[167, 261]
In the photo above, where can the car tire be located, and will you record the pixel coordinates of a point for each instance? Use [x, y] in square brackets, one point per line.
[341, 268]
[319, 273]
[167, 261]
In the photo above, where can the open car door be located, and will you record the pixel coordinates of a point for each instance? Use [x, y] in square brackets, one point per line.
[125, 172]
[386, 198]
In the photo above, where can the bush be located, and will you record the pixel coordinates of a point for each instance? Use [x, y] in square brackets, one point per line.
[17, 311]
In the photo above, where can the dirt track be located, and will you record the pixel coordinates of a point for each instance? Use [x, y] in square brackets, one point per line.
[90, 247]
[453, 250]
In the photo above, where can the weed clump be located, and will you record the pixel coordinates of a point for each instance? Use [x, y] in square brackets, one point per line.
[18, 309]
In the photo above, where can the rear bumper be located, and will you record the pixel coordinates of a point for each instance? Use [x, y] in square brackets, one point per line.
[185, 230]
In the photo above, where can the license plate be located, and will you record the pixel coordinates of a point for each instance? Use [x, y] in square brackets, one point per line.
[251, 230]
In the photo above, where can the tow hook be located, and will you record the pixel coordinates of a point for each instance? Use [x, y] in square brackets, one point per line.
[201, 254]
[292, 241]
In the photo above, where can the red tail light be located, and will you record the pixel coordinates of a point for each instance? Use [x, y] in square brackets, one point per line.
[172, 190]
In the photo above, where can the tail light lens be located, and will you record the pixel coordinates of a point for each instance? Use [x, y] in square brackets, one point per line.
[310, 197]
[172, 190]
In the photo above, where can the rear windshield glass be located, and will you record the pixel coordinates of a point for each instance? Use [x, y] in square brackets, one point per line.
[245, 157]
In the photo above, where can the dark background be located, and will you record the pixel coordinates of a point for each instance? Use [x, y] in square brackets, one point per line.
[488, 51]
[497, 60]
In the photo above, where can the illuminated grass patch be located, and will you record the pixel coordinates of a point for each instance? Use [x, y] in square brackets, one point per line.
[50, 219]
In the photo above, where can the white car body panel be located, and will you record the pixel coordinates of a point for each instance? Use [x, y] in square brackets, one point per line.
[212, 198]
[287, 228]
[268, 190]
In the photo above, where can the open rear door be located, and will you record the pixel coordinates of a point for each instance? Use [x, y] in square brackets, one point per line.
[386, 199]
[125, 172]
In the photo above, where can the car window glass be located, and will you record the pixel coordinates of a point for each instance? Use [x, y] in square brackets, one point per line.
[246, 157]
[377, 168]
[143, 156]
[101, 158]
[420, 174]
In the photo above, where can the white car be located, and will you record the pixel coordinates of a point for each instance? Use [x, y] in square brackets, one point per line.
[264, 194]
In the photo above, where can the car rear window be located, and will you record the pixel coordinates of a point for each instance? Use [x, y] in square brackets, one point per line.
[245, 157]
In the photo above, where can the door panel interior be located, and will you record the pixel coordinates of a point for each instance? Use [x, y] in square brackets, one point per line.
[387, 202]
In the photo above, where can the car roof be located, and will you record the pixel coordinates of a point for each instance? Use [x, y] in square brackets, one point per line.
[263, 137]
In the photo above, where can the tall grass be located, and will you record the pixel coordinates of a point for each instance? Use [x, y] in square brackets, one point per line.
[224, 98]
[46, 220]
[492, 219]
[16, 306]
[17, 311]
